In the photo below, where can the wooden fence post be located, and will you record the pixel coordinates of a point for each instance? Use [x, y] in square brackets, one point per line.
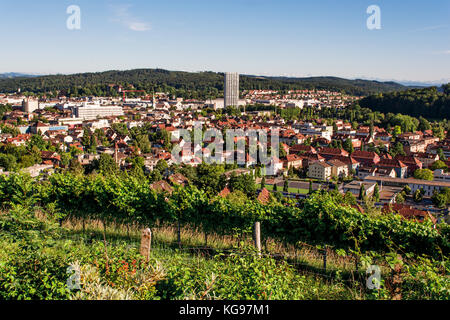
[257, 237]
[146, 243]
[357, 266]
[325, 259]
[179, 235]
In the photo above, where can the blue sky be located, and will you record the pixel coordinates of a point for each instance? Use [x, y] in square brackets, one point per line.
[264, 37]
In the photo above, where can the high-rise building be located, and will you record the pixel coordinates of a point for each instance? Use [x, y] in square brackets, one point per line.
[231, 89]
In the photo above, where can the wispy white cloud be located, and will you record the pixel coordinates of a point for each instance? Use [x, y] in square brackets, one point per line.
[122, 15]
[442, 52]
[430, 28]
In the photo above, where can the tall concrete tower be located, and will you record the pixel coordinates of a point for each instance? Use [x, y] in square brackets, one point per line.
[231, 89]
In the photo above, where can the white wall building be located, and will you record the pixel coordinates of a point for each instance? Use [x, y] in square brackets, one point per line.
[29, 105]
[94, 111]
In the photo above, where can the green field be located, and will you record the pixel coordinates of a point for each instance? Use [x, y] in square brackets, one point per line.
[291, 190]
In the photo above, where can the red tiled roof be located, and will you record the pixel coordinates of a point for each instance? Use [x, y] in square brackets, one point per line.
[333, 151]
[409, 160]
[161, 186]
[224, 193]
[293, 157]
[178, 178]
[336, 163]
[408, 212]
[301, 147]
[346, 160]
[364, 154]
[264, 196]
[391, 163]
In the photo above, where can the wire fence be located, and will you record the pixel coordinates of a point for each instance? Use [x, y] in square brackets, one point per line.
[306, 258]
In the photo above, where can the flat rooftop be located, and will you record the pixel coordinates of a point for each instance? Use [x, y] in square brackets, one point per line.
[408, 181]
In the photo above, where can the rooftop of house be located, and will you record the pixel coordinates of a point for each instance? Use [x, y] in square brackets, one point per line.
[224, 193]
[408, 212]
[336, 163]
[364, 154]
[161, 186]
[442, 184]
[333, 151]
[321, 164]
[391, 163]
[264, 196]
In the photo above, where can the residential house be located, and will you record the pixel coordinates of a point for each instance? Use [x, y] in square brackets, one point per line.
[351, 162]
[300, 148]
[355, 187]
[364, 171]
[400, 168]
[427, 159]
[408, 212]
[331, 153]
[161, 186]
[366, 157]
[293, 160]
[411, 162]
[50, 158]
[320, 170]
[338, 168]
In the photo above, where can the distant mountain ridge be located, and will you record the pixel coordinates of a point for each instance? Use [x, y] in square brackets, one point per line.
[10, 75]
[203, 82]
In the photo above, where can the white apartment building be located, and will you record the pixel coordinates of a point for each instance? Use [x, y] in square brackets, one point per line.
[95, 111]
[308, 129]
[70, 121]
[319, 170]
[29, 105]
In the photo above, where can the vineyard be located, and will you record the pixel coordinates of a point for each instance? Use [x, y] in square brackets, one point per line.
[416, 253]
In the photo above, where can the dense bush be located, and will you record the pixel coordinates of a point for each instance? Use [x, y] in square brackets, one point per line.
[30, 267]
[244, 277]
[322, 220]
[36, 252]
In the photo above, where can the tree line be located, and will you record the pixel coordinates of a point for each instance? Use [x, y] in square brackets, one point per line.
[428, 102]
[323, 218]
[202, 85]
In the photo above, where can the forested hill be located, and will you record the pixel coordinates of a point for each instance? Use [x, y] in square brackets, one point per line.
[187, 84]
[428, 102]
[357, 87]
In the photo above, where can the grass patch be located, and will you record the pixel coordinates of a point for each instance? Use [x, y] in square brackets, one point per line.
[291, 190]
